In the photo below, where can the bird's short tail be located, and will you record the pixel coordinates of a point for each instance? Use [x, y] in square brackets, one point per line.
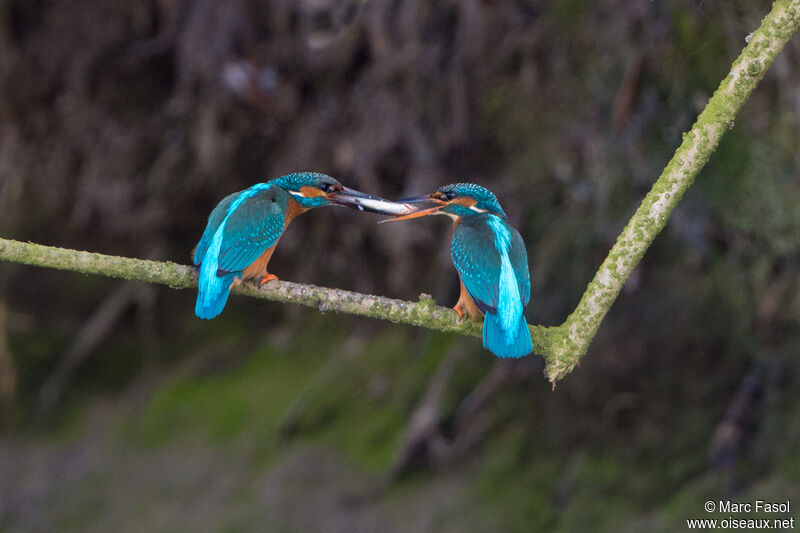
[212, 294]
[516, 343]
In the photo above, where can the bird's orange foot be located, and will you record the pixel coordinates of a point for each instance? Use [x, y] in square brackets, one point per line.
[458, 309]
[268, 277]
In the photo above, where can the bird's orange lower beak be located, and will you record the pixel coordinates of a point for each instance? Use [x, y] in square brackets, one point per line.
[415, 214]
[418, 212]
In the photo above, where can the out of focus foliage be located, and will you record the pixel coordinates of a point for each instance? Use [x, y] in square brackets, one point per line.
[123, 123]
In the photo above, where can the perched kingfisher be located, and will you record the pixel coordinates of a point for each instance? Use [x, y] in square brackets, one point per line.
[491, 261]
[245, 227]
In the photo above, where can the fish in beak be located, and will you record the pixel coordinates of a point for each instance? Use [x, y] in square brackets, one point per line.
[417, 207]
[365, 202]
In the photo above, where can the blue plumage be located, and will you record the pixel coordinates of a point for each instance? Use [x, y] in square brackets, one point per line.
[241, 228]
[214, 220]
[499, 342]
[484, 198]
[491, 261]
[244, 226]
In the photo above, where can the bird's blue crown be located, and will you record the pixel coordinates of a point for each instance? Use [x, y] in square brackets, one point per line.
[484, 197]
[293, 182]
[298, 180]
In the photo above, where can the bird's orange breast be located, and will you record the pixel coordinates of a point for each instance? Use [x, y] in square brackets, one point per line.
[295, 210]
[258, 269]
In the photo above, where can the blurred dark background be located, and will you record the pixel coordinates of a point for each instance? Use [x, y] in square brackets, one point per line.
[122, 124]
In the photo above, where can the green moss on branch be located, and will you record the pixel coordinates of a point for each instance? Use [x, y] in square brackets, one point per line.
[690, 157]
[423, 313]
[171, 274]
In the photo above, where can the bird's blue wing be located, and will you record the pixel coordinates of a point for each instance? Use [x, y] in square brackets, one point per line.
[477, 261]
[241, 228]
[492, 261]
[519, 262]
[253, 226]
[214, 220]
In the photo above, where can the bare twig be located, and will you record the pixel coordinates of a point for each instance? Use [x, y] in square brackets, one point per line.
[8, 372]
[96, 330]
[422, 436]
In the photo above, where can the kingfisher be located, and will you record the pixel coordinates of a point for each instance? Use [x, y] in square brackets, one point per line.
[245, 227]
[491, 261]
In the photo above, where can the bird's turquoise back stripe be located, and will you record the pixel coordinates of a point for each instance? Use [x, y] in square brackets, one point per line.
[509, 302]
[210, 264]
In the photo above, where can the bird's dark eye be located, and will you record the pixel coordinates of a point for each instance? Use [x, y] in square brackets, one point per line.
[450, 195]
[325, 187]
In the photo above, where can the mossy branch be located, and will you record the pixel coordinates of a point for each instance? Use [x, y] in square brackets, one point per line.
[562, 346]
[698, 144]
[424, 313]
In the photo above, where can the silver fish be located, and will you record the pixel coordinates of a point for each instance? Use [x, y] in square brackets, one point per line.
[381, 206]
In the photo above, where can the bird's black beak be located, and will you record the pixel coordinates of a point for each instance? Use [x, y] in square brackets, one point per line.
[366, 202]
[424, 199]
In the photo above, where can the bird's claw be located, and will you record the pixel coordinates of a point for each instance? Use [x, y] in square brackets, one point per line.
[457, 308]
[268, 277]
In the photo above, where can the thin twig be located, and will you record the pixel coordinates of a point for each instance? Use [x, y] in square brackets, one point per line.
[95, 331]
